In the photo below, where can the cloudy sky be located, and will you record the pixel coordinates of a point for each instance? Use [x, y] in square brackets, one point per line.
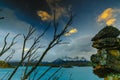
[89, 17]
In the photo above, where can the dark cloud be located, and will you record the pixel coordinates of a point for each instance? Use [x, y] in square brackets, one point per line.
[28, 6]
[60, 8]
[11, 22]
[26, 10]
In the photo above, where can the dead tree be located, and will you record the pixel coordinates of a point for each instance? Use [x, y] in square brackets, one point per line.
[7, 47]
[30, 54]
[55, 41]
[31, 51]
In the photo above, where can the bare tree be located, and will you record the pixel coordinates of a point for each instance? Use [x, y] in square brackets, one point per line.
[6, 46]
[56, 40]
[31, 51]
[31, 54]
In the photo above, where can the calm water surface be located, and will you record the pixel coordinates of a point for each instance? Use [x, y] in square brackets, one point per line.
[76, 73]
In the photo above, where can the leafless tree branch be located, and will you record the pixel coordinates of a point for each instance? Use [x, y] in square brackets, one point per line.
[5, 46]
[54, 42]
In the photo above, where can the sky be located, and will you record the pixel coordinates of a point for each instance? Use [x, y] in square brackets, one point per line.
[89, 17]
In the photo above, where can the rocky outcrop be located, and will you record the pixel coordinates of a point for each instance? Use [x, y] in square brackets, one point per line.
[107, 43]
[107, 60]
[106, 32]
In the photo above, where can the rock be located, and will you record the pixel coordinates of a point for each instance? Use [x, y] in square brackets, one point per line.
[110, 58]
[103, 72]
[109, 43]
[107, 32]
[107, 60]
[113, 62]
[114, 77]
[100, 58]
[114, 53]
[95, 60]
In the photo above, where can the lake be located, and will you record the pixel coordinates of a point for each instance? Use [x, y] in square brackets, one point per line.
[75, 73]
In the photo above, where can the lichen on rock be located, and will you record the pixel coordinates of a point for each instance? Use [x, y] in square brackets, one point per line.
[107, 59]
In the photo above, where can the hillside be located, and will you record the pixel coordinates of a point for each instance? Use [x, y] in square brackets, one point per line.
[4, 64]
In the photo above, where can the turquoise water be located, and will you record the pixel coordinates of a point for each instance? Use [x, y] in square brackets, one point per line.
[75, 73]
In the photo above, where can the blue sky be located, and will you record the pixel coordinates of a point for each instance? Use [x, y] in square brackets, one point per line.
[19, 15]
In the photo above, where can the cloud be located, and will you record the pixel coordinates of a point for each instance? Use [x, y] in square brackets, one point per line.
[72, 31]
[56, 7]
[59, 8]
[44, 15]
[11, 22]
[108, 15]
[79, 46]
[111, 21]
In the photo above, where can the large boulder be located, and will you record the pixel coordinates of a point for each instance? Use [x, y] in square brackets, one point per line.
[107, 32]
[106, 63]
[109, 43]
[111, 59]
[107, 60]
